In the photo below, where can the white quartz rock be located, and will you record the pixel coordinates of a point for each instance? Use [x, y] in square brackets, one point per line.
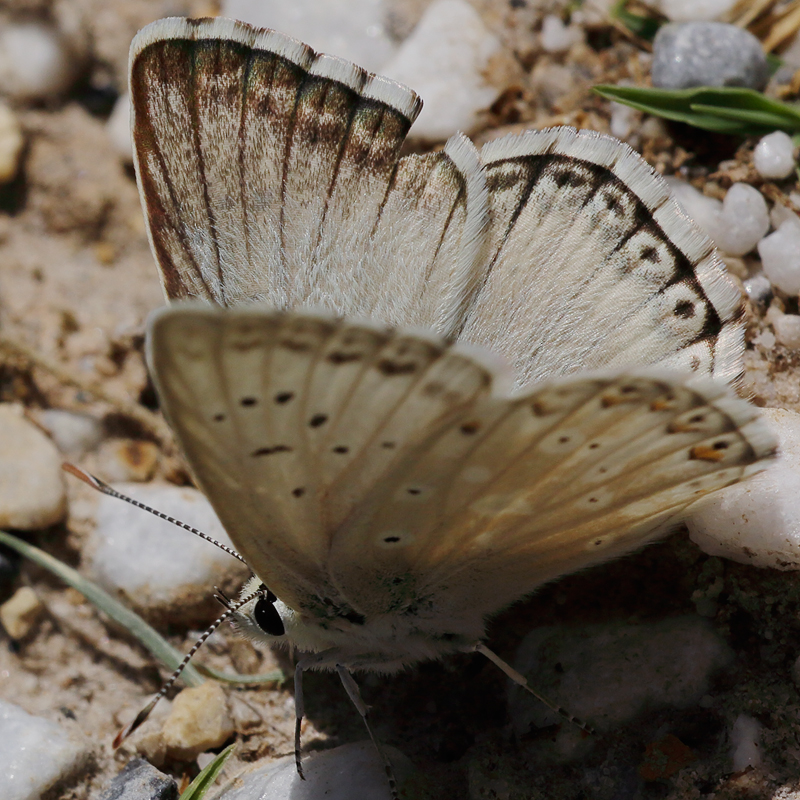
[758, 521]
[155, 565]
[36, 62]
[118, 128]
[36, 753]
[745, 219]
[780, 257]
[446, 61]
[351, 29]
[32, 487]
[774, 156]
[344, 773]
[705, 211]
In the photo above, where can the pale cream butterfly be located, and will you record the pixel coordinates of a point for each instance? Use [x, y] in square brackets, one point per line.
[387, 490]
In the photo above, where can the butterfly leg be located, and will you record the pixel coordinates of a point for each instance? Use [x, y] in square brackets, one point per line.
[299, 713]
[522, 681]
[353, 692]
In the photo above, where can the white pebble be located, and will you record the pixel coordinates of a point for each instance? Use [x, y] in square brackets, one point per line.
[758, 288]
[151, 562]
[74, 434]
[744, 743]
[343, 773]
[780, 257]
[556, 37]
[446, 60]
[774, 156]
[36, 753]
[11, 141]
[765, 340]
[705, 211]
[351, 29]
[745, 219]
[622, 120]
[779, 213]
[32, 489]
[758, 521]
[694, 10]
[787, 330]
[118, 128]
[35, 61]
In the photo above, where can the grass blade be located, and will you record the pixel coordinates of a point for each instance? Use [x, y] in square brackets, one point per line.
[130, 620]
[197, 789]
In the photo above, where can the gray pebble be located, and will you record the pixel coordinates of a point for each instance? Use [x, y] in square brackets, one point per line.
[707, 54]
[141, 781]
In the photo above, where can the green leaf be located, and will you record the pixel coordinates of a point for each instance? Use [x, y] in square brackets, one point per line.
[197, 789]
[643, 27]
[725, 109]
[131, 621]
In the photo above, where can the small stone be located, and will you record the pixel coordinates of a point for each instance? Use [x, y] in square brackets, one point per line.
[446, 60]
[32, 491]
[610, 673]
[74, 434]
[744, 743]
[787, 330]
[693, 10]
[11, 142]
[20, 613]
[37, 754]
[556, 37]
[161, 570]
[198, 721]
[343, 773]
[744, 220]
[36, 62]
[707, 54]
[758, 288]
[779, 213]
[774, 156]
[705, 211]
[622, 120]
[757, 521]
[123, 460]
[141, 781]
[780, 257]
[118, 128]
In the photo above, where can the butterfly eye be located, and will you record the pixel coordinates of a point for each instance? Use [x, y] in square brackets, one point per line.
[267, 617]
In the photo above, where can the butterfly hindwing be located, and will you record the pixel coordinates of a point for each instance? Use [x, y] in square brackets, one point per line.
[581, 225]
[377, 467]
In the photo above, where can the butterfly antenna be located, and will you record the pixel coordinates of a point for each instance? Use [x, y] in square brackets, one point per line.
[104, 488]
[231, 609]
[522, 681]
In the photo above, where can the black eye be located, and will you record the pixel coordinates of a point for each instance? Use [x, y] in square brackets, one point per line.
[267, 617]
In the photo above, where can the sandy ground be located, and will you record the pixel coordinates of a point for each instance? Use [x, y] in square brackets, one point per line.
[76, 283]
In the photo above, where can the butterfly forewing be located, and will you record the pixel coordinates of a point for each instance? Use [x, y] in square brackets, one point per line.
[270, 173]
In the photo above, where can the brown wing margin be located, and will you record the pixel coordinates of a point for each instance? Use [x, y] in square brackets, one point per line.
[221, 112]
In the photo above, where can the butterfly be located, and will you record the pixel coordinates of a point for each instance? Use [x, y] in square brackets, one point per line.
[332, 360]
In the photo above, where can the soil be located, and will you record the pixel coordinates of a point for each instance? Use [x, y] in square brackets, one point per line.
[77, 281]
